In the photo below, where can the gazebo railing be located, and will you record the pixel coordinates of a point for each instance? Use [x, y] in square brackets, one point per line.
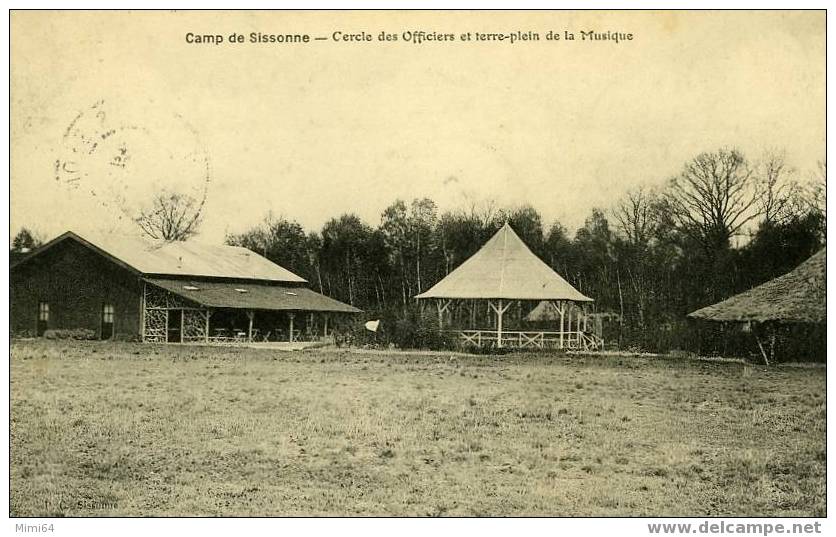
[521, 339]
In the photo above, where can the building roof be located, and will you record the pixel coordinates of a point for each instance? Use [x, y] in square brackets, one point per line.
[251, 295]
[798, 296]
[181, 258]
[546, 310]
[505, 268]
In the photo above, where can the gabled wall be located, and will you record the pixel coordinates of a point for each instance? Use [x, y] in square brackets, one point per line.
[76, 282]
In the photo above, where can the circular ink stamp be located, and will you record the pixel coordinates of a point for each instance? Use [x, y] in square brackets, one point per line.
[123, 161]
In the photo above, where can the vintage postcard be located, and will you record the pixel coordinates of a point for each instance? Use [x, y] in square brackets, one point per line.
[419, 263]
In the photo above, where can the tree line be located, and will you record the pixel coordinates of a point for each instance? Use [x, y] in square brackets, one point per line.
[722, 225]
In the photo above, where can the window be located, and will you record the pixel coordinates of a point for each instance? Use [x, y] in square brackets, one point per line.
[107, 321]
[43, 318]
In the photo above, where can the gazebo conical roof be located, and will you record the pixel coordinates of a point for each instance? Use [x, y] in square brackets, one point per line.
[798, 296]
[504, 268]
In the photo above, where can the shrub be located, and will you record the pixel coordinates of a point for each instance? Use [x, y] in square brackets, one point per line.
[23, 334]
[129, 338]
[417, 330]
[490, 350]
[405, 328]
[82, 334]
[354, 335]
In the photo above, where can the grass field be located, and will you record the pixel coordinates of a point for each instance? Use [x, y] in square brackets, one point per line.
[127, 429]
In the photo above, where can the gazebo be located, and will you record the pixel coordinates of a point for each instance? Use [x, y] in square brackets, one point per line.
[503, 274]
[796, 299]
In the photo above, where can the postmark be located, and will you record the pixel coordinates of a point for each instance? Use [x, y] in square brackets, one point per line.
[121, 159]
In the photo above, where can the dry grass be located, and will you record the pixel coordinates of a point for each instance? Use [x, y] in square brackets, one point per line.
[126, 429]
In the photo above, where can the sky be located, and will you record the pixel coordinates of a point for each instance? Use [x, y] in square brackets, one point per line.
[110, 108]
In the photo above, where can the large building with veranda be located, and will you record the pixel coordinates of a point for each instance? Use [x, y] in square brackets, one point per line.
[115, 287]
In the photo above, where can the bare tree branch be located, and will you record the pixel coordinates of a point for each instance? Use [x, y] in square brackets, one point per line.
[635, 214]
[171, 217]
[714, 197]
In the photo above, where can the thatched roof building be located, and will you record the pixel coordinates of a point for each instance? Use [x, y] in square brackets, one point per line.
[796, 297]
[546, 311]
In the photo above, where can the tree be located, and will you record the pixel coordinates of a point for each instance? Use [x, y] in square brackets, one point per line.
[780, 194]
[376, 268]
[593, 245]
[26, 240]
[559, 252]
[637, 216]
[459, 236]
[527, 223]
[778, 247]
[814, 198]
[421, 221]
[409, 237]
[171, 217]
[394, 227]
[483, 211]
[639, 250]
[345, 244]
[714, 196]
[313, 246]
[819, 188]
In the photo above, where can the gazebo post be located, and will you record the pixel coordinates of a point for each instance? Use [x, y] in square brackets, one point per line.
[499, 325]
[142, 312]
[206, 335]
[309, 326]
[560, 310]
[442, 307]
[250, 316]
[499, 309]
[290, 336]
[569, 328]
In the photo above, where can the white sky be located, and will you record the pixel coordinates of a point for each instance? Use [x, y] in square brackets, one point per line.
[312, 131]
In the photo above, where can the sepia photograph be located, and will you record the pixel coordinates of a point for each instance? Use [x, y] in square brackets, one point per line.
[419, 263]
